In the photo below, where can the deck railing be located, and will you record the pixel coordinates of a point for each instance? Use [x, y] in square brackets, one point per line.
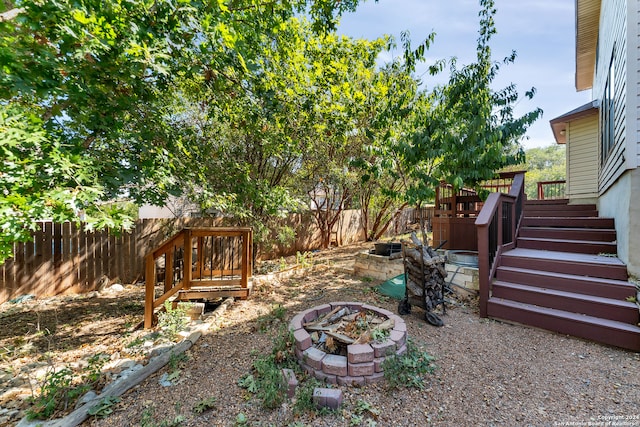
[197, 258]
[552, 189]
[497, 226]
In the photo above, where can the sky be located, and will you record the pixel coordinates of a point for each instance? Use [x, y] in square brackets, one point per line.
[542, 32]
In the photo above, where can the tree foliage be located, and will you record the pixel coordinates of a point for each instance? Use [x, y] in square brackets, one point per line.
[89, 80]
[245, 106]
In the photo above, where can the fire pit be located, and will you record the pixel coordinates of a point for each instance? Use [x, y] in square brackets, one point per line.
[346, 342]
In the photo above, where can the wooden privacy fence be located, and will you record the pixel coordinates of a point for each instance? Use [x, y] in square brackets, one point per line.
[64, 258]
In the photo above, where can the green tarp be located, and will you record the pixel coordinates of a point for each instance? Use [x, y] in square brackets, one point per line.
[394, 287]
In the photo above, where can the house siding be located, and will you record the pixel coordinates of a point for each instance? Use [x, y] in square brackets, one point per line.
[613, 33]
[582, 159]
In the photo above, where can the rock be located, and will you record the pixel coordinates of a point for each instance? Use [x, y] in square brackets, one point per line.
[115, 288]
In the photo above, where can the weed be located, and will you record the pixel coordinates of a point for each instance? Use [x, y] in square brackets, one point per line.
[147, 419]
[266, 380]
[379, 335]
[61, 388]
[408, 370]
[204, 405]
[172, 320]
[276, 315]
[304, 397]
[286, 235]
[283, 264]
[366, 279]
[103, 409]
[241, 420]
[304, 259]
[177, 360]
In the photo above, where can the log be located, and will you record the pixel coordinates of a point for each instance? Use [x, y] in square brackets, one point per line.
[340, 337]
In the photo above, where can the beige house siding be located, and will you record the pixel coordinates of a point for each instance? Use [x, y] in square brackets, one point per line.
[633, 84]
[582, 160]
[612, 42]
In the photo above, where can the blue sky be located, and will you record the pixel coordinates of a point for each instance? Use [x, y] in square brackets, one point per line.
[542, 32]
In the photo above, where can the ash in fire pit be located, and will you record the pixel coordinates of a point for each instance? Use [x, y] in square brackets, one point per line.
[346, 342]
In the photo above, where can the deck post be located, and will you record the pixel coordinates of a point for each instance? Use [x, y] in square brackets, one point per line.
[188, 259]
[149, 290]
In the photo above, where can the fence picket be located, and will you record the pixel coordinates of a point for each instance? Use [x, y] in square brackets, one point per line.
[66, 257]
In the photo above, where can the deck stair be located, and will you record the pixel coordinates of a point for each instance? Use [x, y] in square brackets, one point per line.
[563, 276]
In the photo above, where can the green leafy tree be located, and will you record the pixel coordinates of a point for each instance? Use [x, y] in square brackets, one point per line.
[465, 130]
[90, 79]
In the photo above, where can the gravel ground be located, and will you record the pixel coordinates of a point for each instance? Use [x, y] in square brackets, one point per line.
[488, 372]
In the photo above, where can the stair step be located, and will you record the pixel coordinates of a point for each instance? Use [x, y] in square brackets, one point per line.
[581, 222]
[566, 262]
[573, 233]
[595, 286]
[605, 331]
[545, 202]
[562, 245]
[605, 308]
[558, 206]
[560, 212]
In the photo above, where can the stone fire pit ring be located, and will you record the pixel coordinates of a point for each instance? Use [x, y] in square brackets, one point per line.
[363, 363]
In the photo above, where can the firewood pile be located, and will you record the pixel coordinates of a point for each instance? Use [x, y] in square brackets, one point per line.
[333, 331]
[424, 278]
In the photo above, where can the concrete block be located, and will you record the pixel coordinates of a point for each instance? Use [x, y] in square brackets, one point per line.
[290, 381]
[399, 337]
[361, 369]
[375, 378]
[296, 322]
[303, 339]
[359, 353]
[313, 357]
[351, 381]
[381, 349]
[310, 315]
[327, 397]
[377, 364]
[334, 365]
[327, 378]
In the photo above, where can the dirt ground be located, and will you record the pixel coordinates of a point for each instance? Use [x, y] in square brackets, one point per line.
[488, 372]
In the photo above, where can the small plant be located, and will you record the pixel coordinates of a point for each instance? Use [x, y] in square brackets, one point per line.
[61, 388]
[148, 420]
[408, 370]
[265, 380]
[286, 235]
[172, 320]
[283, 264]
[304, 397]
[304, 259]
[204, 405]
[276, 315]
[103, 409]
[177, 360]
[379, 335]
[241, 420]
[56, 390]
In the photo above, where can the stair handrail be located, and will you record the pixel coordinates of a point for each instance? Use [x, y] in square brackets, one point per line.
[190, 261]
[497, 226]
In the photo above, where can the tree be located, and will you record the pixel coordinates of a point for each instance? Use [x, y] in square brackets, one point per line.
[91, 78]
[544, 164]
[465, 130]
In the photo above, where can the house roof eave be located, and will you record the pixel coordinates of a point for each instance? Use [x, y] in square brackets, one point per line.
[587, 26]
[559, 124]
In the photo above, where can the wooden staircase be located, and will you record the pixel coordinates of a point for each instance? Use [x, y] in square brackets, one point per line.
[563, 276]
